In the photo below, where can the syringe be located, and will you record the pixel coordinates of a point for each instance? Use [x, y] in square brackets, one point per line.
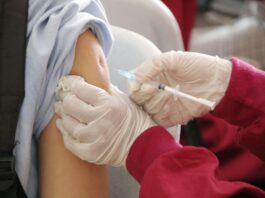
[176, 92]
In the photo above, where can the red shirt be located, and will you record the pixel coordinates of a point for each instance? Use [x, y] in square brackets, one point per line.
[165, 169]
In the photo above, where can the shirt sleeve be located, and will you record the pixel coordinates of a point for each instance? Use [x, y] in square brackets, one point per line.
[165, 169]
[243, 106]
[53, 29]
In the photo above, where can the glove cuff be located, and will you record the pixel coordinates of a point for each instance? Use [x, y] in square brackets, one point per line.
[223, 71]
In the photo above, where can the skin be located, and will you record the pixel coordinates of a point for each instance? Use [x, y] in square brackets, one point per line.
[62, 174]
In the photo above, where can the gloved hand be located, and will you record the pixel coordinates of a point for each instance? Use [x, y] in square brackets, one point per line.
[196, 74]
[98, 126]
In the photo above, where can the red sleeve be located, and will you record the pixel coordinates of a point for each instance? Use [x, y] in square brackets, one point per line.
[165, 169]
[244, 106]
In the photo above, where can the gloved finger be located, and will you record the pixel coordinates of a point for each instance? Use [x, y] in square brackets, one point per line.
[70, 126]
[164, 112]
[80, 110]
[145, 93]
[60, 94]
[75, 147]
[86, 151]
[152, 68]
[93, 131]
[157, 102]
[59, 125]
[82, 132]
[58, 108]
[67, 124]
[89, 93]
[133, 86]
[171, 114]
[168, 119]
[181, 114]
[66, 84]
[166, 122]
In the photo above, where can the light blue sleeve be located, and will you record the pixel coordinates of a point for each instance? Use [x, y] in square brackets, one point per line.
[53, 28]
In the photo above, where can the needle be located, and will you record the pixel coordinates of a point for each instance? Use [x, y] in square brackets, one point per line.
[176, 92]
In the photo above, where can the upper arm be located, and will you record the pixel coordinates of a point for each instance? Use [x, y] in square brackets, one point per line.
[62, 174]
[90, 61]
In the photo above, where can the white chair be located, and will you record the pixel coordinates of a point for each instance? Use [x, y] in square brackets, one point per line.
[150, 18]
[130, 49]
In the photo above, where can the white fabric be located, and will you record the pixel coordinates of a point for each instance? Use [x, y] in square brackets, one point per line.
[196, 74]
[150, 18]
[53, 28]
[97, 126]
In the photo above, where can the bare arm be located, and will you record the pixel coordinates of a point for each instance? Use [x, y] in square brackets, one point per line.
[61, 173]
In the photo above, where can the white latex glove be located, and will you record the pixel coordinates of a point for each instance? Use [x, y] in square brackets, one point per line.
[196, 74]
[98, 126]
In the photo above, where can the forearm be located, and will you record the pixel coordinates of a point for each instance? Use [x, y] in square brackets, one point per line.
[61, 173]
[243, 106]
